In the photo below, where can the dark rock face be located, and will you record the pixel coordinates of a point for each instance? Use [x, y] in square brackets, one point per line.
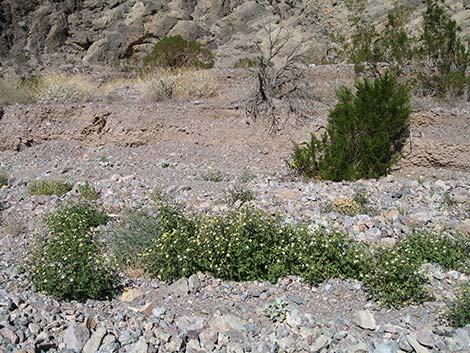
[105, 31]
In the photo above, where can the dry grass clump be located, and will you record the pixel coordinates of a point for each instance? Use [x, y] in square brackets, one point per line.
[63, 88]
[14, 90]
[178, 83]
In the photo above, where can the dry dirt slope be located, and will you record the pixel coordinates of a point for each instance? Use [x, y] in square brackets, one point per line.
[211, 128]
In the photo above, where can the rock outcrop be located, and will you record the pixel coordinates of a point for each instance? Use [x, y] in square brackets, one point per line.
[107, 31]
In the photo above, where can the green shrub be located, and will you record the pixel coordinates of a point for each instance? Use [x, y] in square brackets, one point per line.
[172, 254]
[365, 133]
[247, 244]
[175, 52]
[440, 249]
[446, 58]
[215, 176]
[3, 179]
[239, 193]
[49, 187]
[88, 192]
[367, 45]
[460, 312]
[70, 264]
[323, 256]
[396, 279]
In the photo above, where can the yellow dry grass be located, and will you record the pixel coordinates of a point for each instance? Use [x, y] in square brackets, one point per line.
[164, 84]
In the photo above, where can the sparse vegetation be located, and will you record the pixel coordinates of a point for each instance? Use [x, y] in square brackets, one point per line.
[436, 61]
[366, 131]
[246, 176]
[246, 63]
[3, 179]
[215, 176]
[176, 52]
[345, 206]
[277, 310]
[444, 57]
[62, 88]
[88, 192]
[131, 236]
[49, 187]
[460, 312]
[14, 89]
[239, 194]
[69, 264]
[165, 84]
[396, 280]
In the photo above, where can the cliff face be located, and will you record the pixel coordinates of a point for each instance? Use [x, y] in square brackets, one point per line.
[106, 31]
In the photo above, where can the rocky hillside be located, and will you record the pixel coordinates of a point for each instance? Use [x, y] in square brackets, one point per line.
[106, 31]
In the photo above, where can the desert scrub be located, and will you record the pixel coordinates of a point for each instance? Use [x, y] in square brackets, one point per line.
[245, 63]
[239, 194]
[69, 264]
[3, 179]
[215, 176]
[460, 311]
[62, 88]
[15, 90]
[444, 58]
[247, 244]
[176, 52]
[171, 255]
[365, 133]
[49, 187]
[88, 192]
[235, 246]
[163, 84]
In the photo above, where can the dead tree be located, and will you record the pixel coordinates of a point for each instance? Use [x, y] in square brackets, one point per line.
[280, 88]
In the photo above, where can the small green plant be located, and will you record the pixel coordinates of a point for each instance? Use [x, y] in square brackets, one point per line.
[88, 192]
[277, 310]
[246, 176]
[3, 179]
[361, 198]
[460, 312]
[49, 187]
[69, 264]
[215, 176]
[246, 63]
[365, 133]
[176, 52]
[239, 194]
